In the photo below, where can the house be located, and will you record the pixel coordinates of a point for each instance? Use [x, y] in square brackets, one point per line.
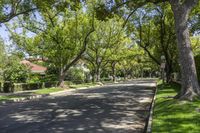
[34, 67]
[81, 65]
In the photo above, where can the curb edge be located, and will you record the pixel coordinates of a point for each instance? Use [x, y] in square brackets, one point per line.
[150, 117]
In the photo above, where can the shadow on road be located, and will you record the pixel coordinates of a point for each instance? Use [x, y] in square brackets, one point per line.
[121, 108]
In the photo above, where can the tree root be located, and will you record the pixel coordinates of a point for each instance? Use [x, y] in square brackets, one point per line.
[187, 95]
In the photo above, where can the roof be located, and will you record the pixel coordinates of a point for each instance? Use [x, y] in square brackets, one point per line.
[34, 67]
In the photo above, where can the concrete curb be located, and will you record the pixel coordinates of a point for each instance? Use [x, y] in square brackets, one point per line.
[24, 99]
[45, 95]
[150, 118]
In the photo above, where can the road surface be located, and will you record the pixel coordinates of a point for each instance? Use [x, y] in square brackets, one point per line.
[118, 108]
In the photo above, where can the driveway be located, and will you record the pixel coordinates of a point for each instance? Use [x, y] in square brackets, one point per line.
[118, 108]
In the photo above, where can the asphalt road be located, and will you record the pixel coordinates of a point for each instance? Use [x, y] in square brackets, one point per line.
[119, 108]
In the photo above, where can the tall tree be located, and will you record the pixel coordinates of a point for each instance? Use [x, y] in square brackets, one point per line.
[2, 54]
[107, 37]
[61, 37]
[181, 10]
[156, 34]
[190, 86]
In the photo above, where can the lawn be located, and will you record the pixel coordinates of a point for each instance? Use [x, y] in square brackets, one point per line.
[47, 90]
[174, 116]
[76, 86]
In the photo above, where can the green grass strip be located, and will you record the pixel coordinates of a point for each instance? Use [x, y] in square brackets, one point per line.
[44, 91]
[76, 86]
[47, 90]
[174, 116]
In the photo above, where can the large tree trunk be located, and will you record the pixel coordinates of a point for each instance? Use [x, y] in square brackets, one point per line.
[98, 74]
[125, 74]
[190, 87]
[168, 71]
[93, 73]
[61, 79]
[142, 73]
[113, 64]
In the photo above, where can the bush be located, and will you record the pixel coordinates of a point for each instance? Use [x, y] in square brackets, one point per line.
[76, 75]
[197, 62]
[16, 72]
[8, 87]
[49, 78]
[14, 87]
[68, 83]
[50, 84]
[34, 78]
[106, 79]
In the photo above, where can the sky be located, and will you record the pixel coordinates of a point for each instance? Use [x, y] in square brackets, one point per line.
[4, 34]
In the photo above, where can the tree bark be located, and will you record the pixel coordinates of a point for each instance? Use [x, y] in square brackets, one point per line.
[113, 64]
[168, 71]
[190, 87]
[61, 80]
[164, 46]
[98, 74]
[142, 73]
[125, 74]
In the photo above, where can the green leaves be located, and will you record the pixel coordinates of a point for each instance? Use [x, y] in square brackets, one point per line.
[15, 72]
[60, 35]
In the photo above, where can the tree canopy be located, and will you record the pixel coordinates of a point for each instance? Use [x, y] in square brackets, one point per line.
[113, 38]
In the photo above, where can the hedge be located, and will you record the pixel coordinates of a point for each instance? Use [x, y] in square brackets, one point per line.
[14, 87]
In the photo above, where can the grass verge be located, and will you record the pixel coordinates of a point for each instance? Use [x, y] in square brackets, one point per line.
[76, 86]
[174, 116]
[42, 91]
[47, 90]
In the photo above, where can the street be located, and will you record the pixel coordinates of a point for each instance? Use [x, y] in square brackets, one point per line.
[117, 108]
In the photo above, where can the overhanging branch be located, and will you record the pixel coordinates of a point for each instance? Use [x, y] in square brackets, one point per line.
[13, 15]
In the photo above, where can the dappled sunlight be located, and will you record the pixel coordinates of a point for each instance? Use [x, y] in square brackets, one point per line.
[123, 124]
[118, 109]
[145, 100]
[26, 118]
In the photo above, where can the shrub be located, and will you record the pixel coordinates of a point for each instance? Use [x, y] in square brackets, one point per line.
[49, 78]
[16, 72]
[68, 83]
[14, 87]
[34, 78]
[76, 75]
[8, 87]
[50, 84]
[106, 79]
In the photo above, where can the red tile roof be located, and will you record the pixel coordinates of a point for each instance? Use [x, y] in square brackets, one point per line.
[34, 67]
